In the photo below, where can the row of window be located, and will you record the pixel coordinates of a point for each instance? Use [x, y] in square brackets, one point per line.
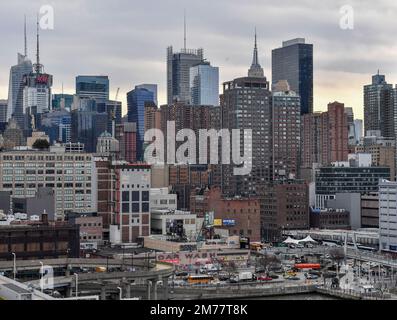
[46, 158]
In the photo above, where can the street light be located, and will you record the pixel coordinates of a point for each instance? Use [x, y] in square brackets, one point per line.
[41, 276]
[77, 284]
[15, 265]
[121, 293]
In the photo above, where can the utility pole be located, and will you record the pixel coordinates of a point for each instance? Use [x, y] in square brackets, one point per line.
[15, 265]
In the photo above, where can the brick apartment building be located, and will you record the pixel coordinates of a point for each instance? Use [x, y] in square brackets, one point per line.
[325, 136]
[240, 216]
[285, 206]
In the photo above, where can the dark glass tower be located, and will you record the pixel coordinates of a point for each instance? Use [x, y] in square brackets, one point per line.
[379, 106]
[136, 100]
[95, 87]
[294, 63]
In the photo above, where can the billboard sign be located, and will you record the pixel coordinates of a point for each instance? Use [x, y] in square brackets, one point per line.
[229, 222]
[218, 222]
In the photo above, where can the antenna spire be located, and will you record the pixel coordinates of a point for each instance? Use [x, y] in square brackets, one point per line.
[25, 39]
[256, 69]
[184, 29]
[38, 66]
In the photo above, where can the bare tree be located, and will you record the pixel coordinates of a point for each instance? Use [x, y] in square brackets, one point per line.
[268, 261]
[230, 268]
[337, 256]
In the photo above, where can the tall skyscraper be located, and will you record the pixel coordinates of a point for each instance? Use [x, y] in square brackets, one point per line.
[87, 124]
[15, 89]
[204, 85]
[95, 87]
[178, 73]
[151, 88]
[37, 96]
[294, 62]
[286, 132]
[57, 125]
[136, 100]
[337, 132]
[325, 136]
[379, 106]
[3, 111]
[246, 104]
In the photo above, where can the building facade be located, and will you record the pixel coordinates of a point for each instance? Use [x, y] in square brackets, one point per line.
[379, 107]
[132, 202]
[286, 133]
[136, 100]
[294, 62]
[325, 136]
[3, 111]
[178, 73]
[204, 85]
[285, 206]
[15, 89]
[387, 216]
[127, 136]
[246, 104]
[70, 175]
[93, 87]
[39, 242]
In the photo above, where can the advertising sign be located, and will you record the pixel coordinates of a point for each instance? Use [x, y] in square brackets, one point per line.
[229, 222]
[218, 222]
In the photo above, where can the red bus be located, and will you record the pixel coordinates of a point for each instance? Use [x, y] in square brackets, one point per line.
[308, 266]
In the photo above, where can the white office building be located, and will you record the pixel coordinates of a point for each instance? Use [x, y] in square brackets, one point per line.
[388, 215]
[71, 175]
[160, 198]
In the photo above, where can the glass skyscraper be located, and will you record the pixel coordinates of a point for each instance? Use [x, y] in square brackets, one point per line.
[15, 93]
[178, 73]
[379, 107]
[95, 87]
[204, 85]
[294, 63]
[152, 88]
[62, 101]
[136, 100]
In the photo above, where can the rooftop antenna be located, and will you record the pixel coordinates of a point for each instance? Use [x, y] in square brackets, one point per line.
[38, 66]
[184, 29]
[25, 39]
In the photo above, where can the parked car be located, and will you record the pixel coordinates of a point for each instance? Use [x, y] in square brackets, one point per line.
[311, 276]
[293, 278]
[181, 273]
[265, 278]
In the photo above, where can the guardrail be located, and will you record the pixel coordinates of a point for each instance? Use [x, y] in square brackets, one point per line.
[353, 294]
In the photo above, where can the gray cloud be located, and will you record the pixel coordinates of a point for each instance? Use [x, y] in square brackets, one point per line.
[127, 39]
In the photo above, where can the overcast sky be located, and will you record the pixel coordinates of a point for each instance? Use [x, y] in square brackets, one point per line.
[127, 40]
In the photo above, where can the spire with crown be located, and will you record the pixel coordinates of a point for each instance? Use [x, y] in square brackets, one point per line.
[256, 70]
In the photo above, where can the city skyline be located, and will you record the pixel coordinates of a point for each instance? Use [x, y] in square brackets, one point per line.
[133, 50]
